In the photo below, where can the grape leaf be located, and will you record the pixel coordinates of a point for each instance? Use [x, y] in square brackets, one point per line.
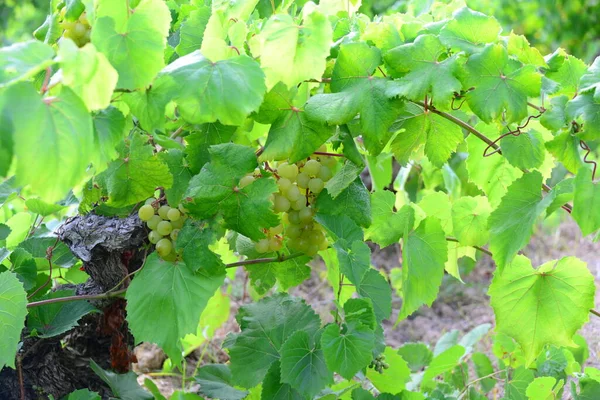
[586, 203]
[355, 90]
[273, 388]
[83, 394]
[181, 173]
[469, 30]
[525, 150]
[110, 128]
[203, 90]
[13, 309]
[158, 289]
[423, 71]
[343, 178]
[303, 364]
[354, 262]
[149, 106]
[568, 74]
[293, 52]
[565, 148]
[388, 226]
[133, 40]
[425, 252]
[39, 206]
[518, 46]
[563, 192]
[22, 61]
[265, 326]
[511, 224]
[216, 382]
[437, 204]
[586, 109]
[360, 312]
[423, 128]
[136, 174]
[441, 363]
[590, 81]
[194, 239]
[375, 287]
[199, 141]
[499, 85]
[192, 29]
[24, 266]
[340, 227]
[542, 306]
[124, 386]
[416, 355]
[470, 219]
[354, 202]
[349, 351]
[393, 379]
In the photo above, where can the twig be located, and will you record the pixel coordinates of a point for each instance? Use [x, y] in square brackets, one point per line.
[46, 80]
[76, 298]
[176, 133]
[20, 373]
[594, 312]
[486, 251]
[538, 108]
[49, 252]
[263, 260]
[477, 380]
[322, 153]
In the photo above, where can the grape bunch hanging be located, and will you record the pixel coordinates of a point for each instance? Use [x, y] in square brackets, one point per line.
[78, 31]
[164, 223]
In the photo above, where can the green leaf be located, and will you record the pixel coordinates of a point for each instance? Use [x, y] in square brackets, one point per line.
[518, 46]
[360, 312]
[439, 136]
[525, 150]
[388, 226]
[516, 387]
[355, 90]
[443, 362]
[483, 367]
[423, 71]
[22, 61]
[192, 30]
[110, 128]
[469, 30]
[88, 73]
[203, 89]
[555, 118]
[425, 253]
[83, 394]
[273, 388]
[293, 52]
[38, 206]
[216, 382]
[63, 127]
[340, 227]
[542, 306]
[265, 326]
[375, 287]
[156, 291]
[587, 110]
[353, 202]
[13, 309]
[149, 106]
[586, 203]
[470, 220]
[199, 142]
[181, 173]
[37, 247]
[343, 178]
[354, 262]
[437, 204]
[349, 351]
[417, 355]
[511, 224]
[393, 379]
[541, 388]
[133, 40]
[303, 364]
[500, 87]
[195, 240]
[565, 148]
[56, 318]
[590, 81]
[568, 75]
[124, 386]
[136, 174]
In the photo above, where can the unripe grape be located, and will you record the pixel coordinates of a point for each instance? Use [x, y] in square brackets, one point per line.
[284, 219]
[245, 181]
[174, 214]
[146, 212]
[164, 228]
[289, 171]
[284, 184]
[172, 256]
[312, 167]
[294, 217]
[280, 204]
[293, 193]
[328, 161]
[325, 173]
[305, 215]
[262, 246]
[323, 245]
[154, 237]
[315, 185]
[174, 234]
[153, 222]
[300, 203]
[79, 30]
[293, 231]
[312, 249]
[179, 223]
[163, 212]
[302, 180]
[150, 201]
[317, 237]
[301, 244]
[275, 244]
[182, 209]
[83, 19]
[276, 230]
[164, 247]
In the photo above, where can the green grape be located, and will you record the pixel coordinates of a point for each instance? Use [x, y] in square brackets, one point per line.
[146, 212]
[276, 230]
[280, 204]
[153, 222]
[174, 234]
[302, 180]
[294, 217]
[317, 237]
[305, 215]
[79, 30]
[179, 223]
[300, 203]
[284, 184]
[302, 244]
[150, 201]
[262, 246]
[328, 161]
[289, 171]
[325, 173]
[322, 149]
[163, 211]
[323, 245]
[83, 19]
[172, 256]
[164, 247]
[245, 181]
[174, 214]
[154, 237]
[312, 168]
[312, 249]
[293, 193]
[275, 244]
[293, 231]
[315, 185]
[164, 228]
[182, 209]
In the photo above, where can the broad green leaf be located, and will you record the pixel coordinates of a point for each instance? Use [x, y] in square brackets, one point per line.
[110, 128]
[199, 141]
[13, 309]
[565, 148]
[541, 388]
[590, 81]
[517, 386]
[586, 110]
[178, 167]
[343, 178]
[416, 355]
[133, 41]
[203, 90]
[22, 61]
[149, 106]
[83, 394]
[88, 73]
[437, 204]
[511, 224]
[443, 362]
[360, 312]
[470, 219]
[353, 202]
[568, 75]
[518, 46]
[483, 367]
[388, 226]
[340, 227]
[439, 136]
[124, 386]
[586, 203]
[265, 326]
[62, 126]
[542, 306]
[192, 29]
[293, 52]
[425, 252]
[469, 30]
[500, 87]
[525, 150]
[156, 291]
[355, 90]
[136, 174]
[194, 239]
[423, 70]
[393, 379]
[303, 364]
[555, 118]
[273, 388]
[375, 287]
[349, 351]
[37, 247]
[215, 314]
[355, 261]
[216, 382]
[53, 319]
[39, 206]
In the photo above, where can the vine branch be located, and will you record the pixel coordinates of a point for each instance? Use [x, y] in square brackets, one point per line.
[481, 249]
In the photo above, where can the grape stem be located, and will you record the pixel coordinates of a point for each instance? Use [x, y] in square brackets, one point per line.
[322, 153]
[281, 258]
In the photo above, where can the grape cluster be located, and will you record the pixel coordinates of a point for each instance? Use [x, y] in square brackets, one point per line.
[78, 31]
[164, 223]
[379, 364]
